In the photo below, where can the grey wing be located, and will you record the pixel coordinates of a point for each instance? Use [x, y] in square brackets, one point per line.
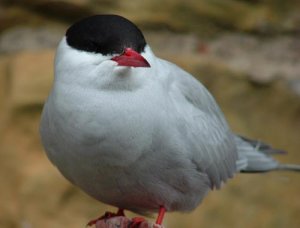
[211, 140]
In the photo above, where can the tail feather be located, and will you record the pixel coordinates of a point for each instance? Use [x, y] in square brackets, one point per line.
[289, 167]
[256, 156]
[263, 147]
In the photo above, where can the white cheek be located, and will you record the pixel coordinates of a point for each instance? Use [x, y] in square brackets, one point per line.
[121, 70]
[109, 63]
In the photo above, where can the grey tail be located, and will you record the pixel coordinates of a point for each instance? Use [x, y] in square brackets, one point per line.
[289, 167]
[255, 156]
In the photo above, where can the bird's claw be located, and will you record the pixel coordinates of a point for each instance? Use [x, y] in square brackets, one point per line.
[136, 222]
[107, 215]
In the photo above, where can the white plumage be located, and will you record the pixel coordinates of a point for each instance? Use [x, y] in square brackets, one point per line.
[139, 138]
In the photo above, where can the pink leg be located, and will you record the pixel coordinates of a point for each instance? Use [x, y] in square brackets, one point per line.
[160, 217]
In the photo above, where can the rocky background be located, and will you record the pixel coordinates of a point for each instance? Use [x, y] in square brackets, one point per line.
[247, 52]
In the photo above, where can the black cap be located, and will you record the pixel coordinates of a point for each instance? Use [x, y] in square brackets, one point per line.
[105, 34]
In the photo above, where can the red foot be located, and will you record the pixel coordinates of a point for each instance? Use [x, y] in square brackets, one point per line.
[107, 215]
[136, 222]
[161, 214]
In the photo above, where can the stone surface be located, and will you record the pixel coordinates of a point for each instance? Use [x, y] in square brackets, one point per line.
[26, 38]
[4, 83]
[63, 10]
[263, 60]
[172, 43]
[31, 76]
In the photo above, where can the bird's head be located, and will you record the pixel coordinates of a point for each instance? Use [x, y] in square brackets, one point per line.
[102, 46]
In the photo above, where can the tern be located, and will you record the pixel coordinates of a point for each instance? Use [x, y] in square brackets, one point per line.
[136, 131]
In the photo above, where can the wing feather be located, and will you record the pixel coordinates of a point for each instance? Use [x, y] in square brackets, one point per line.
[211, 141]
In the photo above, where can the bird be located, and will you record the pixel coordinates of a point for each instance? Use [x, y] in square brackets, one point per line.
[135, 131]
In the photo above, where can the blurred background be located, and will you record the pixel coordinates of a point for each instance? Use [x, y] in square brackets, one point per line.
[247, 52]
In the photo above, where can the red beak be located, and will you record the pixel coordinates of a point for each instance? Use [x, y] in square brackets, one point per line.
[131, 58]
